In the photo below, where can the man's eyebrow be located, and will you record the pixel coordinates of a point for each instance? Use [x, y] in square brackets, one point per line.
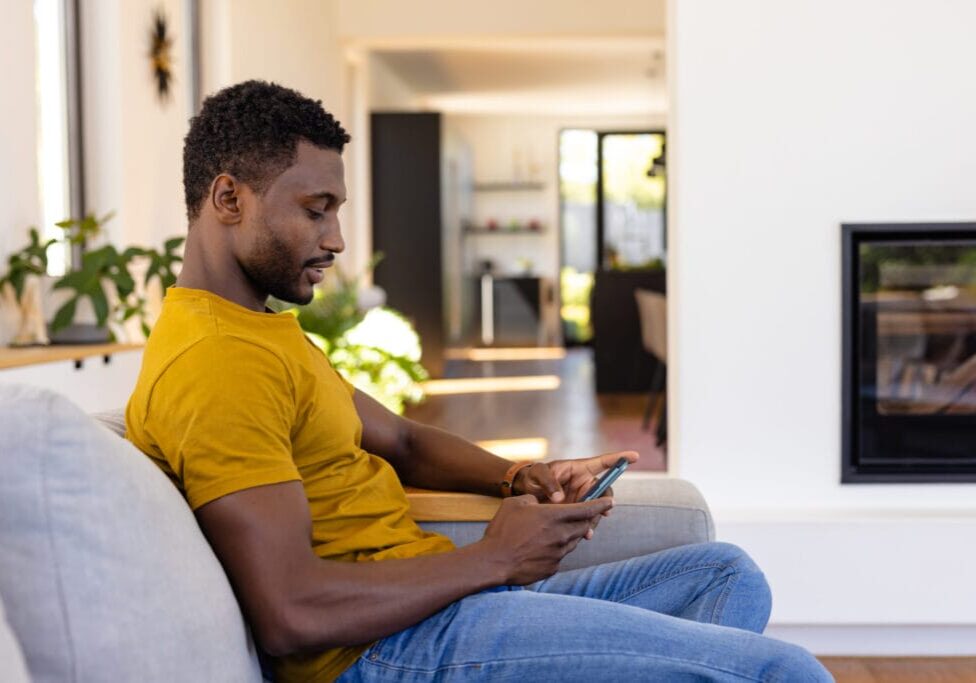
[324, 195]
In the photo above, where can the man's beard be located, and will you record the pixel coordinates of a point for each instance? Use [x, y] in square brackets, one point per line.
[272, 271]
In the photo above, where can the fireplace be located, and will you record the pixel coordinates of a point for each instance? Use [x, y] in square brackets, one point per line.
[909, 353]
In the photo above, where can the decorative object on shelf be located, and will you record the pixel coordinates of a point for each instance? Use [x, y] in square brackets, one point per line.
[373, 347]
[510, 229]
[160, 54]
[20, 290]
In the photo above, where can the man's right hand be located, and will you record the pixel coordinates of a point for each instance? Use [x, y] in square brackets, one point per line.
[528, 540]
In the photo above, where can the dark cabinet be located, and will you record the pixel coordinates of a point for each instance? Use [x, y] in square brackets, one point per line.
[406, 201]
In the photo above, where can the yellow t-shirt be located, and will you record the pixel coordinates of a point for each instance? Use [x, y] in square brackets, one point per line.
[229, 398]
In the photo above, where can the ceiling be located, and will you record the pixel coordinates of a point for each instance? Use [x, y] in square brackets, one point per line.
[620, 76]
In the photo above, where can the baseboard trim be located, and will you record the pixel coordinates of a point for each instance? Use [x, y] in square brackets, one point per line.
[880, 639]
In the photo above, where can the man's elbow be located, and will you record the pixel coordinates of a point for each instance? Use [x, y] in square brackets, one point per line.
[289, 632]
[275, 634]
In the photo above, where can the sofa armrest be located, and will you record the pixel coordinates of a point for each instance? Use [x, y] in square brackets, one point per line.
[651, 514]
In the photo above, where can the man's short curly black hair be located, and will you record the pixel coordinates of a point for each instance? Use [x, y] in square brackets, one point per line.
[251, 131]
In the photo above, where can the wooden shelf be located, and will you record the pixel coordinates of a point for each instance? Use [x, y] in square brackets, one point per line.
[502, 231]
[510, 186]
[36, 355]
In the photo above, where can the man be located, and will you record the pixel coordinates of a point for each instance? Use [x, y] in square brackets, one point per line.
[295, 477]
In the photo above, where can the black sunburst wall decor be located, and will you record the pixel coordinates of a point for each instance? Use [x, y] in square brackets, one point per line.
[160, 54]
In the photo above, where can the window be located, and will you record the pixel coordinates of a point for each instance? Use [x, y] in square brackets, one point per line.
[58, 122]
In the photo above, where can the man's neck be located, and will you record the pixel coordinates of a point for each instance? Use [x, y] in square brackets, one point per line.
[211, 266]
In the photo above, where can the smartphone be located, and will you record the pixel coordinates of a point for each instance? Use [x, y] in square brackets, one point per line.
[604, 482]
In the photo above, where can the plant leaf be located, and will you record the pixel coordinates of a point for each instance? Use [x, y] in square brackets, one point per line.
[100, 304]
[65, 314]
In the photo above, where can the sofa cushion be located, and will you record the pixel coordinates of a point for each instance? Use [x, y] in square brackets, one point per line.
[12, 666]
[103, 570]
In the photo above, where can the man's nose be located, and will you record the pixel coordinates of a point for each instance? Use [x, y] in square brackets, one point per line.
[332, 240]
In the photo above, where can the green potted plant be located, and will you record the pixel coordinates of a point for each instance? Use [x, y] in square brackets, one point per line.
[104, 278]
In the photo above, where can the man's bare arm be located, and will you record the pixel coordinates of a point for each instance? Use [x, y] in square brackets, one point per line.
[425, 456]
[297, 602]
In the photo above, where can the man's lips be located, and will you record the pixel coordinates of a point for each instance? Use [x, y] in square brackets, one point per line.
[321, 263]
[315, 269]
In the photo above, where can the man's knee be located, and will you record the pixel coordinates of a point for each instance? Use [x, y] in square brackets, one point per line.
[739, 562]
[749, 582]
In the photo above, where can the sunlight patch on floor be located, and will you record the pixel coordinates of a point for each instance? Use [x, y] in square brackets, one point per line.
[479, 385]
[511, 353]
[517, 449]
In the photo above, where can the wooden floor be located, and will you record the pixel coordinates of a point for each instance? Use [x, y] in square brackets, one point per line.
[902, 669]
[573, 420]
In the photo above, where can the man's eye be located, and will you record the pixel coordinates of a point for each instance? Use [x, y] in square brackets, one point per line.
[315, 215]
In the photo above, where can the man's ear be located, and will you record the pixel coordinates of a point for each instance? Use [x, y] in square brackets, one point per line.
[225, 198]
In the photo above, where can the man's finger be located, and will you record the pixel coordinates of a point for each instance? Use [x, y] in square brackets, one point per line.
[547, 482]
[608, 460]
[573, 512]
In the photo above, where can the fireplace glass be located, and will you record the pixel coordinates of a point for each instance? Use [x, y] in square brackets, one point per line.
[909, 352]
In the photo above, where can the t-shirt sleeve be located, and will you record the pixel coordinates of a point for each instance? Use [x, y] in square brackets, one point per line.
[222, 415]
[349, 387]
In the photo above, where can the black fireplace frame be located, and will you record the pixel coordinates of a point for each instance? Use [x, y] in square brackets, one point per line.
[852, 469]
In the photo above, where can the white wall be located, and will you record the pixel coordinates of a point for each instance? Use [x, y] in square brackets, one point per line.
[788, 119]
[133, 142]
[19, 204]
[293, 43]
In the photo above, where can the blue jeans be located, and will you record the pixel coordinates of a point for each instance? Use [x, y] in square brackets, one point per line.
[692, 613]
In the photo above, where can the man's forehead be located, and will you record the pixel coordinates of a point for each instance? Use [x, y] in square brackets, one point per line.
[316, 173]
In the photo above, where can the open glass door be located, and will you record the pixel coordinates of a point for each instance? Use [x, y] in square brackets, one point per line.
[613, 214]
[631, 194]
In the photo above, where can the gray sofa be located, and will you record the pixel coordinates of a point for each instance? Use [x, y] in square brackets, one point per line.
[105, 576]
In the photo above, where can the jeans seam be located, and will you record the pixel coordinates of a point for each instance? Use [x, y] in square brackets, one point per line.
[659, 580]
[723, 597]
[510, 660]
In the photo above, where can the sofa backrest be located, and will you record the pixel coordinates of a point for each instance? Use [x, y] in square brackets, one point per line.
[104, 572]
